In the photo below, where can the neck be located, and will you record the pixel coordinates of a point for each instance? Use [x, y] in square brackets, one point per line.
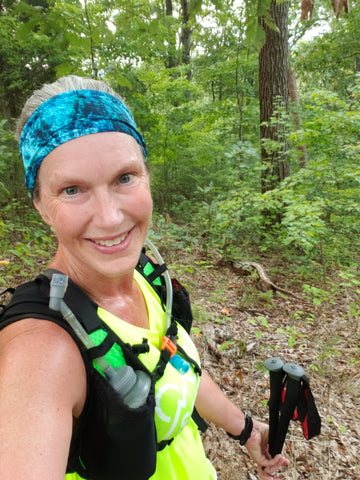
[97, 285]
[119, 295]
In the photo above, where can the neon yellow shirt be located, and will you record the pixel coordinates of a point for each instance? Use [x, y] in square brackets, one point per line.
[184, 458]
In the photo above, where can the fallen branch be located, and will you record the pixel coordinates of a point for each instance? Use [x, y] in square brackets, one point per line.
[242, 268]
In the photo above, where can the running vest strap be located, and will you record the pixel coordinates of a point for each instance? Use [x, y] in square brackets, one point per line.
[87, 458]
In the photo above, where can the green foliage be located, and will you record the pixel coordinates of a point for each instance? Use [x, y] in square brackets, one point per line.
[31, 45]
[332, 58]
[322, 206]
[292, 333]
[25, 242]
[203, 134]
[6, 153]
[318, 205]
[11, 169]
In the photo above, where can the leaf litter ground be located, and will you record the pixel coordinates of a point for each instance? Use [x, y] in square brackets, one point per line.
[238, 323]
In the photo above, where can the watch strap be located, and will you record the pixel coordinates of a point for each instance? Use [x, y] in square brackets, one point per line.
[244, 436]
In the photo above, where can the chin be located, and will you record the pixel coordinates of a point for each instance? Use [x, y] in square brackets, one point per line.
[117, 268]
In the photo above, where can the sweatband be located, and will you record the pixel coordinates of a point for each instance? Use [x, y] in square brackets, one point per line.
[70, 115]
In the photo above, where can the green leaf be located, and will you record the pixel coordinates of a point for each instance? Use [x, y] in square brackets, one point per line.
[226, 345]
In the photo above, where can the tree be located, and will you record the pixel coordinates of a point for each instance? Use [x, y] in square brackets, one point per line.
[332, 58]
[273, 94]
[27, 57]
[185, 36]
[172, 58]
[297, 120]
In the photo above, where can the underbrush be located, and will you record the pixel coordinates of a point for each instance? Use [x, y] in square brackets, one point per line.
[238, 323]
[26, 244]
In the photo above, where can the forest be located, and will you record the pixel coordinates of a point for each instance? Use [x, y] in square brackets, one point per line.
[251, 114]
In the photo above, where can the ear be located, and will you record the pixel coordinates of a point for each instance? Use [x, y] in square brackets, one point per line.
[42, 211]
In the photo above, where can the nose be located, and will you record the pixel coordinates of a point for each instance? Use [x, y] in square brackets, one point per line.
[107, 210]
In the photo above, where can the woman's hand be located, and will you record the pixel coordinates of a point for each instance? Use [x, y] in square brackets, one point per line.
[257, 446]
[212, 404]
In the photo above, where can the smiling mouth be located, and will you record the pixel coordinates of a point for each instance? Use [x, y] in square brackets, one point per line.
[111, 243]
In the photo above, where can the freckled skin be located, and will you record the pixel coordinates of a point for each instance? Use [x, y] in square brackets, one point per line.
[103, 195]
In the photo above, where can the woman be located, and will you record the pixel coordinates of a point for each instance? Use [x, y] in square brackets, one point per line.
[85, 165]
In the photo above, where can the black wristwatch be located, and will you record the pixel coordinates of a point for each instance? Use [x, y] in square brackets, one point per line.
[244, 436]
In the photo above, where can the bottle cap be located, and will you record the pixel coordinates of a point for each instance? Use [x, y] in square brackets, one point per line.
[181, 365]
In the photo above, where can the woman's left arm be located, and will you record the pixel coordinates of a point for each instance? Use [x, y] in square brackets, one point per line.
[215, 407]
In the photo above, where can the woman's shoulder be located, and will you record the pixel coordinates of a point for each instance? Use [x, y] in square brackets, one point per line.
[40, 354]
[28, 331]
[42, 387]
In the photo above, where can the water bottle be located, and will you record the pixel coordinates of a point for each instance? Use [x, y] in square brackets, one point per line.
[132, 386]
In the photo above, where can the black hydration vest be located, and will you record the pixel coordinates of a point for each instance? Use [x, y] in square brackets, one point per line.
[110, 440]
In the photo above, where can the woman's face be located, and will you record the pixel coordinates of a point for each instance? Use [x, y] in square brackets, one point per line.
[94, 192]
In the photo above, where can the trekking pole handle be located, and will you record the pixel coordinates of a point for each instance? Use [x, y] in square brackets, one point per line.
[293, 371]
[273, 364]
[294, 374]
[275, 367]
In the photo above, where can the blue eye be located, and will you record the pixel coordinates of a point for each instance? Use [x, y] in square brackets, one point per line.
[125, 178]
[73, 190]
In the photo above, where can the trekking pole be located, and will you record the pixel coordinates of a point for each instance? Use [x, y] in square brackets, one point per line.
[293, 383]
[275, 367]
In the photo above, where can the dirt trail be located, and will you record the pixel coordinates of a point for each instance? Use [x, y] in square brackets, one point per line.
[238, 324]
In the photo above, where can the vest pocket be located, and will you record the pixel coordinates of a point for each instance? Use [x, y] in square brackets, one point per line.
[115, 441]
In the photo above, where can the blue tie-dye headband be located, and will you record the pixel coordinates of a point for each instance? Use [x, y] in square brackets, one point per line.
[67, 116]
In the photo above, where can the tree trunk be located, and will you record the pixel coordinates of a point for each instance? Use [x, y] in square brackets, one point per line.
[338, 5]
[239, 94]
[92, 50]
[273, 86]
[171, 60]
[185, 36]
[357, 63]
[294, 97]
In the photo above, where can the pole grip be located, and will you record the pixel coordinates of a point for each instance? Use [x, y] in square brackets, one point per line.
[275, 367]
[294, 374]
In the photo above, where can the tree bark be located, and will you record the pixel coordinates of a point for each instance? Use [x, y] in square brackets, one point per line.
[185, 36]
[294, 97]
[273, 85]
[171, 59]
[338, 5]
[92, 50]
